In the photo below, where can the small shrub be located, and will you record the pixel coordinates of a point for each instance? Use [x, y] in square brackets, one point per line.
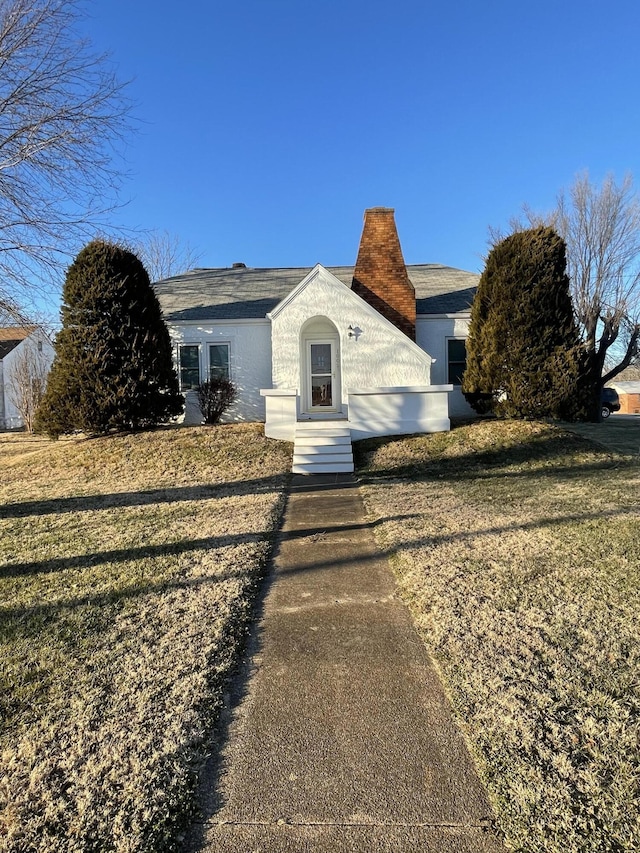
[215, 397]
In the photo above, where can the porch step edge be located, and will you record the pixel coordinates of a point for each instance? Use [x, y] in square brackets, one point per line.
[323, 440]
[321, 449]
[319, 423]
[321, 459]
[329, 468]
[328, 431]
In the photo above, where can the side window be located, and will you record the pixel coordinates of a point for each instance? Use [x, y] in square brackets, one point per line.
[189, 355]
[456, 360]
[219, 361]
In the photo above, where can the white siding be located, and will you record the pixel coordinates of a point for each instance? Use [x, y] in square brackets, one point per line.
[432, 334]
[269, 353]
[10, 416]
[250, 362]
[2, 421]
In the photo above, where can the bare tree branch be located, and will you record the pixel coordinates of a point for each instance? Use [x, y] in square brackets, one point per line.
[164, 255]
[601, 227]
[63, 114]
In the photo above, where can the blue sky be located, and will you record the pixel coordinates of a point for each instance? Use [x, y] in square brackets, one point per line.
[266, 127]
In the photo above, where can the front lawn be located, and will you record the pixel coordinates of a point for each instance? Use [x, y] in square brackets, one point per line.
[517, 547]
[127, 568]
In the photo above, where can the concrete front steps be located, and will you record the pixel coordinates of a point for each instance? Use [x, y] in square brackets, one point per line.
[322, 447]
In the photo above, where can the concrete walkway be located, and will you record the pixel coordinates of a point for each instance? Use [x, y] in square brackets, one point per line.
[339, 736]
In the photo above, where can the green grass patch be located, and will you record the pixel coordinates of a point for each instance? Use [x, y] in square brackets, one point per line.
[516, 545]
[127, 569]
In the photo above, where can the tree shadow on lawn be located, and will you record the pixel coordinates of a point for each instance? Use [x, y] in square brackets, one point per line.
[145, 552]
[170, 494]
[548, 457]
[65, 621]
[125, 555]
[141, 586]
[433, 540]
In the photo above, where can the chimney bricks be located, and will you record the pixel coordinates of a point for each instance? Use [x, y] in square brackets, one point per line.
[380, 276]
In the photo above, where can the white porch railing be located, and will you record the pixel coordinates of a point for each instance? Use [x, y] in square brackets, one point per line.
[370, 411]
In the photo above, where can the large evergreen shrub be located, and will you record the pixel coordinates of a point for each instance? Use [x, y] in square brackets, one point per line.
[113, 368]
[524, 357]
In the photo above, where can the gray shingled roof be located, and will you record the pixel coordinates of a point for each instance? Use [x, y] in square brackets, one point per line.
[247, 293]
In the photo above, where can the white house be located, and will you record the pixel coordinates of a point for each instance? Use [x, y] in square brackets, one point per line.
[376, 349]
[24, 351]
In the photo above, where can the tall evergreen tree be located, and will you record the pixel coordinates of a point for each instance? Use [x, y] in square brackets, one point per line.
[523, 353]
[113, 368]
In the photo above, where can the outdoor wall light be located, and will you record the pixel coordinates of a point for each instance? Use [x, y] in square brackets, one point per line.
[354, 332]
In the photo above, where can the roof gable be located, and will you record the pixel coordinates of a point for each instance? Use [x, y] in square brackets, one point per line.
[12, 336]
[323, 278]
[317, 272]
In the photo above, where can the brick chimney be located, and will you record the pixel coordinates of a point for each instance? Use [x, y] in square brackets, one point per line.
[380, 276]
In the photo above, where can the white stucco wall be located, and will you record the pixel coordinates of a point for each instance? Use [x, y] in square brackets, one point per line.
[36, 346]
[432, 334]
[377, 355]
[250, 362]
[269, 354]
[399, 411]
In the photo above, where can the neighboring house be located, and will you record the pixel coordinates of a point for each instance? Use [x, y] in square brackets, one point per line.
[629, 393]
[23, 349]
[379, 346]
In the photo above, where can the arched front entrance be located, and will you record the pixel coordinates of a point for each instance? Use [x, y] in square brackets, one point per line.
[320, 367]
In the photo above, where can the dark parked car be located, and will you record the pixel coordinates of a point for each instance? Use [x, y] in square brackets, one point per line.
[609, 401]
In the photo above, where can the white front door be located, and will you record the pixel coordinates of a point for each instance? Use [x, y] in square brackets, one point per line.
[322, 385]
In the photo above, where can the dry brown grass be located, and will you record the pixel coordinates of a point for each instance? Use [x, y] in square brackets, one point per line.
[516, 546]
[127, 570]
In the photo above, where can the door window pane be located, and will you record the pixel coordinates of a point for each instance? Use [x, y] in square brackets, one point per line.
[219, 361]
[189, 366]
[321, 391]
[320, 358]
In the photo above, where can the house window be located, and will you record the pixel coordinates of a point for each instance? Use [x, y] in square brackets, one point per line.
[189, 355]
[219, 361]
[456, 360]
